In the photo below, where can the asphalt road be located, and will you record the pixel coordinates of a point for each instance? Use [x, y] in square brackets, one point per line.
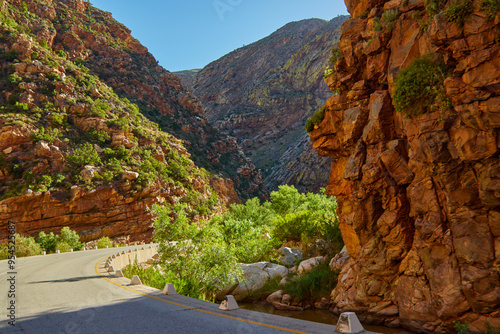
[65, 293]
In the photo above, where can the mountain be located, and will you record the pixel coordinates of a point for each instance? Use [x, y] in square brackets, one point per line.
[262, 94]
[74, 148]
[92, 37]
[413, 129]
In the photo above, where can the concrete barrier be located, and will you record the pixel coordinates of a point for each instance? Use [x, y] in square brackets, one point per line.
[121, 260]
[349, 323]
[229, 304]
[118, 273]
[169, 289]
[135, 280]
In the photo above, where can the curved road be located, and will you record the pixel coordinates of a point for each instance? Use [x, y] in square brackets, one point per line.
[65, 293]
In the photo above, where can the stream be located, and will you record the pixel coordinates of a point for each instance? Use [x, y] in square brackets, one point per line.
[323, 316]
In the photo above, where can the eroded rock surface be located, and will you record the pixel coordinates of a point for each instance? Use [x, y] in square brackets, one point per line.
[418, 197]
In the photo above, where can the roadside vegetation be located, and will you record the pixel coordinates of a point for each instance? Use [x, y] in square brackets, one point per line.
[66, 240]
[201, 258]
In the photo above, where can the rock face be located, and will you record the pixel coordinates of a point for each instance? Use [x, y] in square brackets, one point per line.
[263, 93]
[72, 152]
[92, 37]
[419, 197]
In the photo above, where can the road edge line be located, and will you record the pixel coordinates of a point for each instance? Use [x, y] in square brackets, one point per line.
[193, 308]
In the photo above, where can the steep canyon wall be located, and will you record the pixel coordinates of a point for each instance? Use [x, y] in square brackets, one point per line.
[419, 196]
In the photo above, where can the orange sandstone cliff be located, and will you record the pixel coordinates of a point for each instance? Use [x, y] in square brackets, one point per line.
[419, 196]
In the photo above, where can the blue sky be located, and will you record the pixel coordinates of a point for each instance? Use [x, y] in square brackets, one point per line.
[190, 34]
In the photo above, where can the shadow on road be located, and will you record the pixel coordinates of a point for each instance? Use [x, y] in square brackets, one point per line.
[138, 315]
[72, 279]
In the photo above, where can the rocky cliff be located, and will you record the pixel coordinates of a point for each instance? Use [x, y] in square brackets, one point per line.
[76, 152]
[262, 94]
[418, 184]
[92, 37]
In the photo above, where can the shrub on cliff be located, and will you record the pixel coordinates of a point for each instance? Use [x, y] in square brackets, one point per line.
[315, 119]
[419, 88]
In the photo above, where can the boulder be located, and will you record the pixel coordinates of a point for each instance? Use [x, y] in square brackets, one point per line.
[307, 265]
[255, 275]
[340, 260]
[282, 301]
[289, 256]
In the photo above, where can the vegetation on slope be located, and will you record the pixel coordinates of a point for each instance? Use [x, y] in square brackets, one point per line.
[74, 130]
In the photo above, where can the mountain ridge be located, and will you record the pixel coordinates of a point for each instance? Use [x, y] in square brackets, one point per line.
[263, 93]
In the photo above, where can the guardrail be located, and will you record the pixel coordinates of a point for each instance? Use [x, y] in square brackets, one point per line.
[124, 258]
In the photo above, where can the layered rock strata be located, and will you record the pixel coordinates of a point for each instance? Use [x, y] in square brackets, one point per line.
[262, 94]
[419, 197]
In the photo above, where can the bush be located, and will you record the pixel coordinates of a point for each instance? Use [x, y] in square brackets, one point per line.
[71, 238]
[462, 328]
[103, 242]
[419, 88]
[27, 246]
[63, 247]
[458, 10]
[377, 26]
[434, 6]
[150, 277]
[48, 242]
[57, 119]
[43, 183]
[390, 16]
[311, 286]
[85, 155]
[14, 79]
[196, 259]
[492, 7]
[315, 119]
[100, 108]
[335, 56]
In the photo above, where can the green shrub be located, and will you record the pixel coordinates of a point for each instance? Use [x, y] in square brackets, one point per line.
[48, 242]
[53, 76]
[311, 286]
[315, 119]
[196, 259]
[434, 6]
[335, 56]
[390, 16]
[462, 328]
[150, 277]
[43, 183]
[27, 246]
[100, 108]
[48, 135]
[61, 53]
[458, 10]
[419, 88]
[492, 7]
[103, 242]
[85, 155]
[57, 119]
[14, 79]
[99, 135]
[71, 238]
[377, 25]
[63, 247]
